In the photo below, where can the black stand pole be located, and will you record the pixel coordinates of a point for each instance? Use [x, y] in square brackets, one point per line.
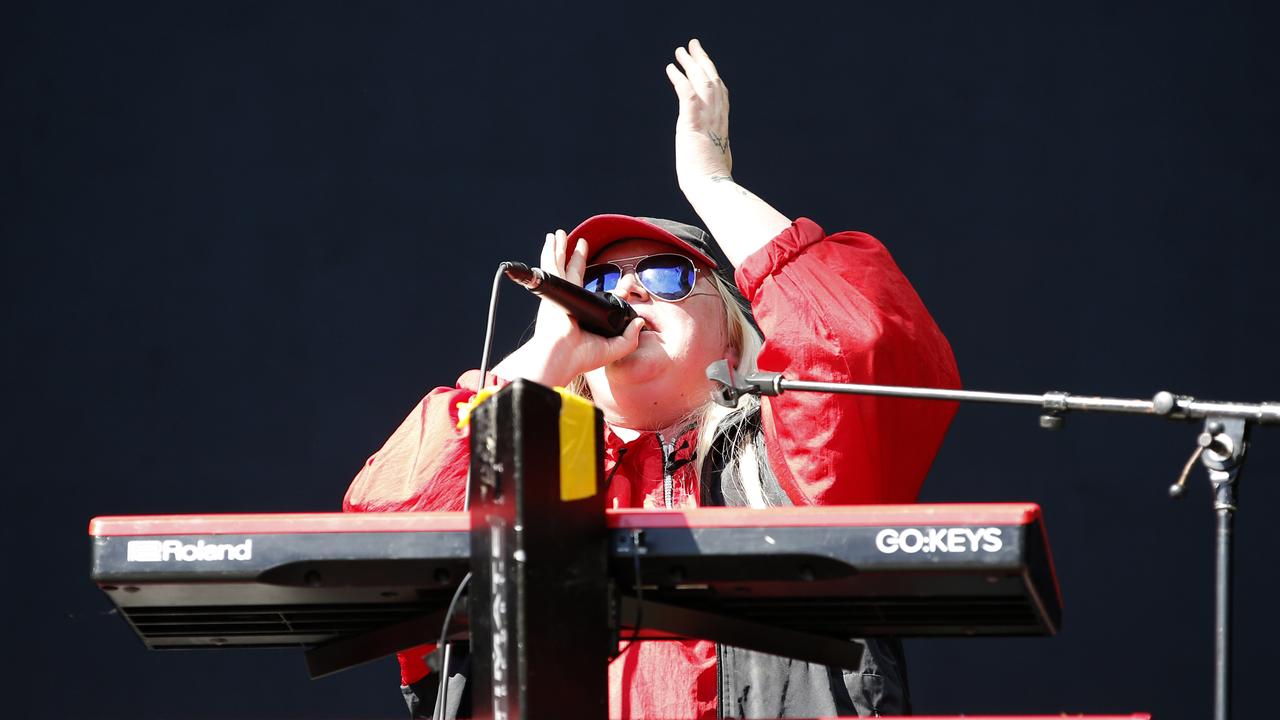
[1222, 618]
[1221, 449]
[1224, 443]
[540, 626]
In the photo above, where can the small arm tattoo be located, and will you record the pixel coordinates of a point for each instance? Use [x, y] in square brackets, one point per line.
[718, 141]
[729, 179]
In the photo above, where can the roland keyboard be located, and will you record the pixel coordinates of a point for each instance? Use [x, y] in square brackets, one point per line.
[850, 571]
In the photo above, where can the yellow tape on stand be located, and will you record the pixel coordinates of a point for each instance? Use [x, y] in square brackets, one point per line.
[578, 438]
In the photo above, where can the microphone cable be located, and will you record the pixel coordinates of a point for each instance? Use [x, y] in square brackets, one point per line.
[488, 331]
[442, 693]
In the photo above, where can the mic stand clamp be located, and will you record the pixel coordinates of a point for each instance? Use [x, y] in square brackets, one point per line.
[730, 385]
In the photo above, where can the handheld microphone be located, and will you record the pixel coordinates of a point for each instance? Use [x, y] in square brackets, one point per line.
[606, 315]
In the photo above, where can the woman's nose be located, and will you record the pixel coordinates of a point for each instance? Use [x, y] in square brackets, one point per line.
[629, 288]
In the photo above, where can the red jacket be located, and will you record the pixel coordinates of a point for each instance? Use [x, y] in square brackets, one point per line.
[834, 308]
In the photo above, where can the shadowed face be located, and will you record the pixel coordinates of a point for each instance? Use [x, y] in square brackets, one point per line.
[666, 373]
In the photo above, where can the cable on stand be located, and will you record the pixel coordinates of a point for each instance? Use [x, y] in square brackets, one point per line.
[446, 654]
[1220, 448]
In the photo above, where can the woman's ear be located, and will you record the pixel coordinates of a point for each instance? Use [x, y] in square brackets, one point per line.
[733, 356]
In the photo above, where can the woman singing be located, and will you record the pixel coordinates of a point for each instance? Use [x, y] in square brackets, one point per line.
[801, 302]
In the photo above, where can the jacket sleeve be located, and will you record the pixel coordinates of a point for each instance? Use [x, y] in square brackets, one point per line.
[423, 465]
[837, 308]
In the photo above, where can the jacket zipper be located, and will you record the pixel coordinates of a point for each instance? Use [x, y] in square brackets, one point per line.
[668, 482]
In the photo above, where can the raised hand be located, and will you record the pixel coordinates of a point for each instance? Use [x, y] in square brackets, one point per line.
[702, 127]
[740, 220]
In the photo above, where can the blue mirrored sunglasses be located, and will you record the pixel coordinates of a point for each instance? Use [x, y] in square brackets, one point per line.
[666, 276]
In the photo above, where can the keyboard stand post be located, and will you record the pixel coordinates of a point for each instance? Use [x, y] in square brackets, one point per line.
[538, 598]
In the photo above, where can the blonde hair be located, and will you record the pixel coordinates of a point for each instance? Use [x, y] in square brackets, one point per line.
[714, 419]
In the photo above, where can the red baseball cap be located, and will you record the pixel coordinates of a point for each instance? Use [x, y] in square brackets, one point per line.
[601, 231]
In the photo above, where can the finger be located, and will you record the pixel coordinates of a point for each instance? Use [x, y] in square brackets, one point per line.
[577, 262]
[628, 340]
[700, 54]
[680, 83]
[561, 243]
[547, 259]
[706, 88]
[692, 69]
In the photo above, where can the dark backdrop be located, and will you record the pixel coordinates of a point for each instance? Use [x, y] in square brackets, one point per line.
[241, 240]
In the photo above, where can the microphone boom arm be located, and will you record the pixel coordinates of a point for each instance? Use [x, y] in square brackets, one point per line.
[730, 386]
